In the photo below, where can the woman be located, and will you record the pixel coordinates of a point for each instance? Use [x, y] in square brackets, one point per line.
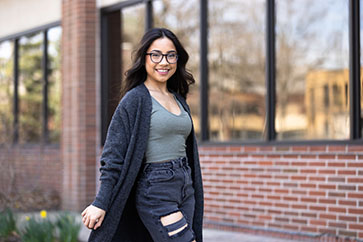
[151, 184]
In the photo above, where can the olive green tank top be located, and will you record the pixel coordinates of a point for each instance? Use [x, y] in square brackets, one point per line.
[168, 133]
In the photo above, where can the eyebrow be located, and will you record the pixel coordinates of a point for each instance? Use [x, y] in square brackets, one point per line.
[170, 51]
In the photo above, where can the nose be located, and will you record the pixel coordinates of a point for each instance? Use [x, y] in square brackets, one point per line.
[163, 61]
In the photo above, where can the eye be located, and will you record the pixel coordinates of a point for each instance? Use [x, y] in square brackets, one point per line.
[172, 55]
[156, 55]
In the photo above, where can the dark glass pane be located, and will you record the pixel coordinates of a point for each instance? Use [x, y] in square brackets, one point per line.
[312, 54]
[30, 89]
[54, 84]
[236, 69]
[182, 17]
[6, 92]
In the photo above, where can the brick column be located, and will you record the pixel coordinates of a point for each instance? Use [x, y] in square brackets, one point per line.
[78, 145]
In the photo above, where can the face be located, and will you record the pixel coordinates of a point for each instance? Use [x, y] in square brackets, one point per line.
[160, 72]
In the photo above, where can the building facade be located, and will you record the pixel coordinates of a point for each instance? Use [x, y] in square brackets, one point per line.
[277, 104]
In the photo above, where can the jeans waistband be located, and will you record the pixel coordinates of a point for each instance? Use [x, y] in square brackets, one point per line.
[175, 163]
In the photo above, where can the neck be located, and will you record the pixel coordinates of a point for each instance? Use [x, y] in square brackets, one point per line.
[156, 87]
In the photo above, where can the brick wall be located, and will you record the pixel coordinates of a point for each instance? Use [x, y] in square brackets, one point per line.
[28, 168]
[78, 143]
[289, 189]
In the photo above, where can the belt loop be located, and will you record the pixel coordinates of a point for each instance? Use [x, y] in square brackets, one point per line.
[145, 167]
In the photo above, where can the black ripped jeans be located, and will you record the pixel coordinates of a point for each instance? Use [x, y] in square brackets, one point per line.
[163, 189]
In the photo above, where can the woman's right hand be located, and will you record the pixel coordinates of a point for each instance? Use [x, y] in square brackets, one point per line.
[93, 217]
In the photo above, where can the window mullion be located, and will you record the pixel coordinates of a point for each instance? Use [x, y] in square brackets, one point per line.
[270, 132]
[354, 70]
[204, 124]
[45, 86]
[16, 93]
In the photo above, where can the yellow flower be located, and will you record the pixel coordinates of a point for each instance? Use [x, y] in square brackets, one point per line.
[27, 218]
[43, 214]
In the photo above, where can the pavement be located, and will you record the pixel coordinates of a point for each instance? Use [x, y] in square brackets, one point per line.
[209, 235]
[213, 235]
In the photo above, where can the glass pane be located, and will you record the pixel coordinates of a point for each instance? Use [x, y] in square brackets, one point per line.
[236, 69]
[312, 55]
[6, 92]
[182, 17]
[30, 89]
[54, 84]
[133, 27]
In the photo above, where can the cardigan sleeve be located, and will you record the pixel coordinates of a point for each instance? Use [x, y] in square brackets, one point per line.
[112, 158]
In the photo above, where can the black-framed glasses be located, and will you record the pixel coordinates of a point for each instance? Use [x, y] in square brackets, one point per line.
[157, 57]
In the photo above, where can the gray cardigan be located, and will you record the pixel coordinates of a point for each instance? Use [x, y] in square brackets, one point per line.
[121, 160]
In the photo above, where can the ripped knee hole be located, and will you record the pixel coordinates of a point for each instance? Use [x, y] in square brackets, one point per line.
[174, 223]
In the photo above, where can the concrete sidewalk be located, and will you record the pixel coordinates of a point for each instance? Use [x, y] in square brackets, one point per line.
[213, 235]
[209, 235]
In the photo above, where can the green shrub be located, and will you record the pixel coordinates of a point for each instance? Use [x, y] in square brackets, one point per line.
[38, 231]
[7, 223]
[68, 228]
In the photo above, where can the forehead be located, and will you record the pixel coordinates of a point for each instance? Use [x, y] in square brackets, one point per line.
[162, 44]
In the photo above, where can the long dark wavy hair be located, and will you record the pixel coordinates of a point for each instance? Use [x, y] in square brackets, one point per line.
[179, 82]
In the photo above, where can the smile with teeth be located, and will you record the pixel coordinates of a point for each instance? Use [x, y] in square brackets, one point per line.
[162, 71]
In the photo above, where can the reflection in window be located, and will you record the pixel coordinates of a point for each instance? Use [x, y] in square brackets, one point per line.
[30, 89]
[236, 59]
[182, 17]
[54, 84]
[133, 27]
[6, 92]
[312, 65]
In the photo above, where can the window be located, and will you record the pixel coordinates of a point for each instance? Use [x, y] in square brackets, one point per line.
[307, 65]
[182, 18]
[133, 26]
[236, 59]
[6, 91]
[54, 84]
[30, 110]
[312, 57]
[30, 88]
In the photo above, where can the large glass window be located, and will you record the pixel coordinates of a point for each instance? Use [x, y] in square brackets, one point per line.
[38, 117]
[236, 58]
[30, 88]
[182, 17]
[312, 54]
[6, 91]
[133, 27]
[54, 84]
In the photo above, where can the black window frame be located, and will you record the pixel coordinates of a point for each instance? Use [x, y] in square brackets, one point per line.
[45, 70]
[270, 138]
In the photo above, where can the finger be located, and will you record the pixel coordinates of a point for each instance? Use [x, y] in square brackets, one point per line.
[84, 212]
[87, 222]
[99, 223]
[92, 223]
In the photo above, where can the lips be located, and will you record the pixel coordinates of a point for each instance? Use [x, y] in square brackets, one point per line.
[162, 71]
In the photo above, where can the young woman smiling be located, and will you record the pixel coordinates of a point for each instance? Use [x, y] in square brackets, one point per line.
[151, 184]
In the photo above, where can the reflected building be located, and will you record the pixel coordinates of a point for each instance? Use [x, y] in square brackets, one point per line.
[327, 103]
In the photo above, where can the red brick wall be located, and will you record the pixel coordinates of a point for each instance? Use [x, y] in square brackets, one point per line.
[300, 189]
[30, 167]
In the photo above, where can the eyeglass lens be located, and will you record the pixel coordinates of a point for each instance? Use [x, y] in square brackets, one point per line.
[170, 57]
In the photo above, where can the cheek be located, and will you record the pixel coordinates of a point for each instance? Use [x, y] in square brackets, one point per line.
[149, 67]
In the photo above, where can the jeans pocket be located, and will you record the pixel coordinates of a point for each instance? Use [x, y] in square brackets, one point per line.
[161, 175]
